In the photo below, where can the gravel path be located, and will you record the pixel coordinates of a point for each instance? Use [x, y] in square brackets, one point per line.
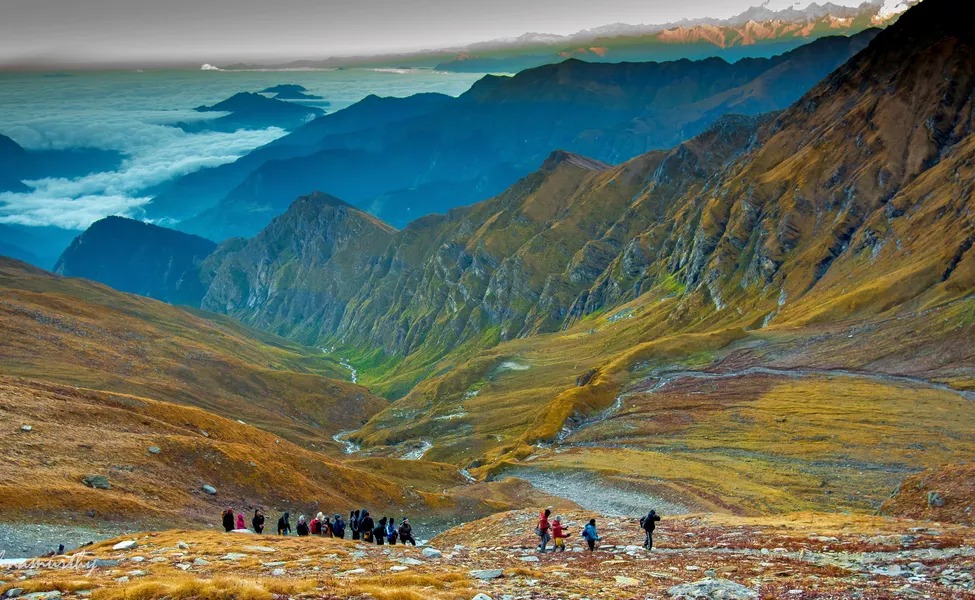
[25, 540]
[596, 494]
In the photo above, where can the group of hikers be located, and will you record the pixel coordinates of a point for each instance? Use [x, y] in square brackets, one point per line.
[360, 525]
[548, 531]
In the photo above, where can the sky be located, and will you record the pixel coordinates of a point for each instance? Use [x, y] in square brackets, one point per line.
[222, 31]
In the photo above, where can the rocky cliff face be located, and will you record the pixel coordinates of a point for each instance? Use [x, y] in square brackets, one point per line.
[297, 275]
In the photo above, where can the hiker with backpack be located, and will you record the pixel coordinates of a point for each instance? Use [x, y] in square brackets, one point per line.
[589, 534]
[559, 534]
[391, 532]
[542, 531]
[649, 523]
[241, 523]
[406, 533]
[258, 521]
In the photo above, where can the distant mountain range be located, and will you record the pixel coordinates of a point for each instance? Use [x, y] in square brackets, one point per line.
[763, 30]
[759, 214]
[400, 159]
[248, 110]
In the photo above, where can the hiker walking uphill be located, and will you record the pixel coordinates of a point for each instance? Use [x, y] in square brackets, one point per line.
[542, 531]
[228, 520]
[649, 523]
[284, 525]
[258, 521]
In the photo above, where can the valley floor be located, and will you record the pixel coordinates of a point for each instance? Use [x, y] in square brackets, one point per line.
[801, 555]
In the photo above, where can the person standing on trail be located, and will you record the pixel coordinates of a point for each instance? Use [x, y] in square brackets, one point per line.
[542, 531]
[258, 521]
[406, 533]
[391, 532]
[228, 520]
[315, 527]
[354, 523]
[284, 525]
[589, 534]
[648, 523]
[379, 533]
[366, 523]
[302, 527]
[338, 527]
[241, 523]
[559, 534]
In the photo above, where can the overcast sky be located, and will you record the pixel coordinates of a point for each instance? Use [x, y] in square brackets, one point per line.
[219, 31]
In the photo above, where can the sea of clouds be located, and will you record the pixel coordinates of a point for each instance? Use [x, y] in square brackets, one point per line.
[130, 113]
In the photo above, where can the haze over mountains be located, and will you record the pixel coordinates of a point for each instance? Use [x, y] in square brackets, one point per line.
[427, 154]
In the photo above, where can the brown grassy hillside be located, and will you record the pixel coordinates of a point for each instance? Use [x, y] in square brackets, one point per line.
[80, 333]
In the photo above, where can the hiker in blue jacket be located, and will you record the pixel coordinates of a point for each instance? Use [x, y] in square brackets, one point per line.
[589, 534]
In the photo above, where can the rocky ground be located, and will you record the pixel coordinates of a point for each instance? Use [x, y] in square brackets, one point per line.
[798, 556]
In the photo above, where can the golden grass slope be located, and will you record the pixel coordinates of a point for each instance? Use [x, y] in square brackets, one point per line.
[80, 333]
[75, 433]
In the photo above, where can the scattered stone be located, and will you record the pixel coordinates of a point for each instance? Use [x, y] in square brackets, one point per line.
[529, 559]
[244, 531]
[486, 574]
[159, 559]
[352, 572]
[398, 569]
[42, 595]
[431, 553]
[126, 545]
[98, 482]
[102, 563]
[26, 429]
[182, 545]
[154, 449]
[234, 556]
[13, 593]
[200, 562]
[482, 597]
[122, 579]
[137, 573]
[137, 559]
[263, 549]
[279, 572]
[935, 499]
[272, 564]
[713, 588]
[411, 561]
[623, 581]
[209, 489]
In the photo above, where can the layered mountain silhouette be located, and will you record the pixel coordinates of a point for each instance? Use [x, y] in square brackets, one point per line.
[253, 111]
[138, 257]
[852, 203]
[429, 154]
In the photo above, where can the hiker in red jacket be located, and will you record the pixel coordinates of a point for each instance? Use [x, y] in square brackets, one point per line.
[543, 529]
[559, 534]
